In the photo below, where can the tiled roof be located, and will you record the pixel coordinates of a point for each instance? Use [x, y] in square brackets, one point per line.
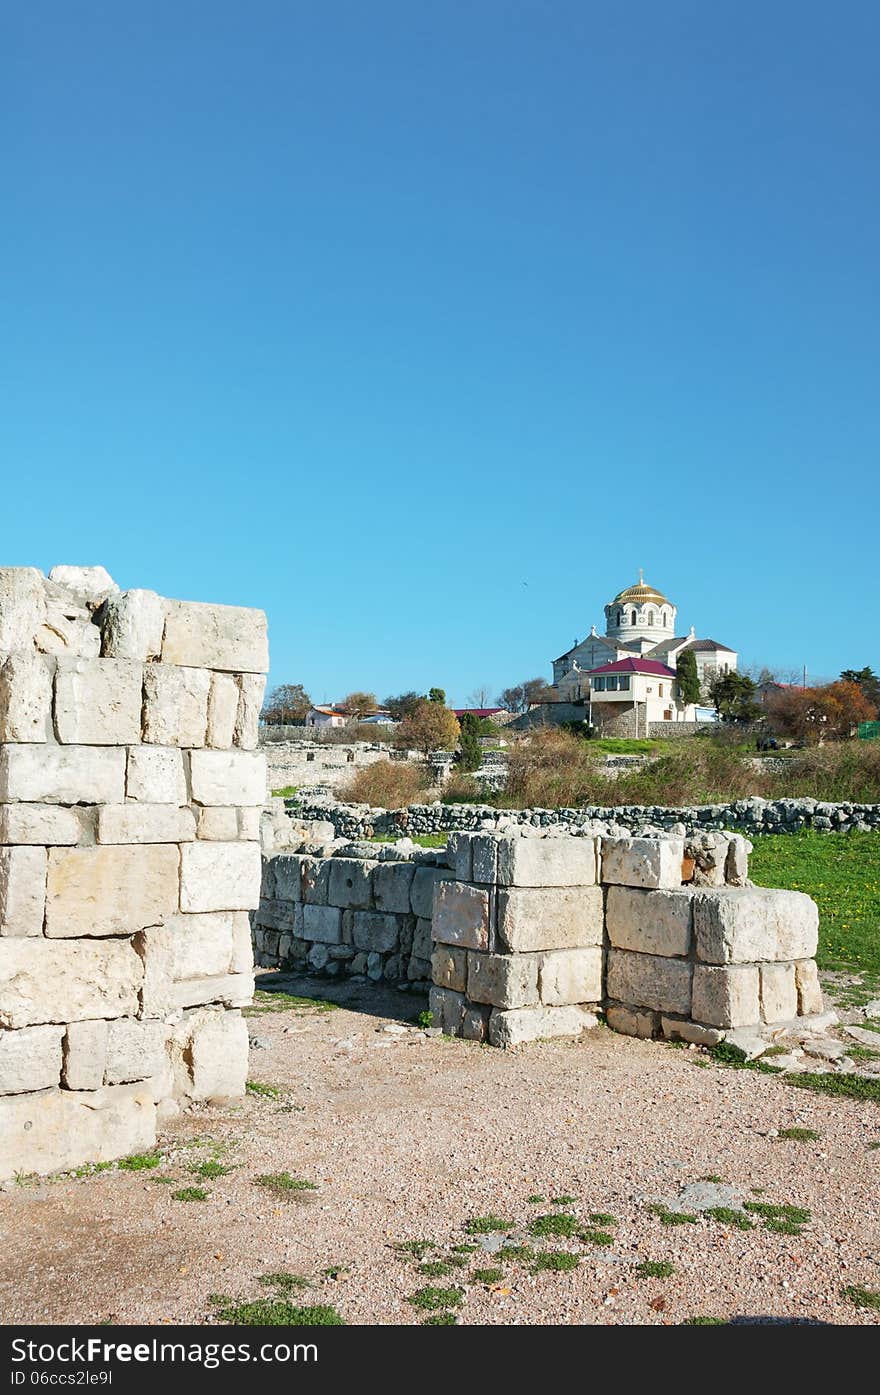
[635, 666]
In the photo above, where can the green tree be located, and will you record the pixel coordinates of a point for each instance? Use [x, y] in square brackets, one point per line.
[734, 697]
[431, 727]
[867, 680]
[437, 695]
[289, 702]
[688, 678]
[469, 744]
[402, 705]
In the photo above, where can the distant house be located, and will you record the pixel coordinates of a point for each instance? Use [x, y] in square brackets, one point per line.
[325, 717]
[635, 691]
[378, 719]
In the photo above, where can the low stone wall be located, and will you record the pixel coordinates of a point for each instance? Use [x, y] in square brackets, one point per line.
[747, 815]
[315, 763]
[130, 801]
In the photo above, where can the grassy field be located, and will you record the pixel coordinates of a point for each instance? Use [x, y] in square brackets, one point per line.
[841, 871]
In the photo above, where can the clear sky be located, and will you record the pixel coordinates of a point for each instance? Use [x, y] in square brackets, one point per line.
[425, 325]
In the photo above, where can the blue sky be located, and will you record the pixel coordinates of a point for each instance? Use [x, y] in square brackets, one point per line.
[424, 326]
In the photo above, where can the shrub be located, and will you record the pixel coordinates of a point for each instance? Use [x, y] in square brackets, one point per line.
[387, 784]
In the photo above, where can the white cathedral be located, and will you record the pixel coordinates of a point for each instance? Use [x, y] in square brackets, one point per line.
[627, 677]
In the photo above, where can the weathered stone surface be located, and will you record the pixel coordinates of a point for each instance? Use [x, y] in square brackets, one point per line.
[230, 638]
[372, 931]
[45, 825]
[680, 1029]
[808, 989]
[155, 949]
[98, 701]
[474, 1024]
[218, 1053]
[91, 585]
[110, 890]
[249, 824]
[422, 895]
[392, 886]
[736, 867]
[218, 825]
[69, 627]
[22, 890]
[484, 858]
[132, 626]
[423, 941]
[727, 996]
[459, 847]
[747, 924]
[556, 917]
[447, 1009]
[59, 1129]
[461, 915]
[222, 712]
[646, 862]
[145, 823]
[322, 923]
[779, 996]
[350, 882]
[570, 976]
[25, 698]
[650, 922]
[242, 961]
[135, 1050]
[228, 777]
[546, 862]
[155, 775]
[648, 980]
[85, 1054]
[503, 980]
[251, 687]
[631, 1021]
[219, 876]
[175, 705]
[449, 967]
[530, 1023]
[30, 1059]
[45, 981]
[22, 607]
[232, 990]
[201, 944]
[62, 774]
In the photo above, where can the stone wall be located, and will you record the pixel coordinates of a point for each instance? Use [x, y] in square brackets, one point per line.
[317, 763]
[130, 799]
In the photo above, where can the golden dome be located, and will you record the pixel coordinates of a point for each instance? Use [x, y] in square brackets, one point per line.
[641, 593]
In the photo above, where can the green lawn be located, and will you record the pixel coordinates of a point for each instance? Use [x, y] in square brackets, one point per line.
[841, 871]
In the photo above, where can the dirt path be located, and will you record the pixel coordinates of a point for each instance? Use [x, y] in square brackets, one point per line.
[407, 1137]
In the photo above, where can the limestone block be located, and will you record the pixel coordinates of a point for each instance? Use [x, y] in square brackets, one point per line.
[392, 886]
[748, 924]
[251, 687]
[175, 705]
[209, 1049]
[375, 932]
[85, 1054]
[155, 948]
[62, 774]
[779, 995]
[249, 824]
[25, 698]
[649, 980]
[228, 777]
[474, 1024]
[218, 825]
[423, 941]
[680, 1029]
[314, 881]
[531, 1023]
[736, 867]
[461, 915]
[647, 862]
[41, 981]
[570, 976]
[449, 967]
[631, 1021]
[232, 990]
[222, 713]
[459, 848]
[22, 607]
[322, 923]
[422, 895]
[98, 701]
[650, 922]
[242, 961]
[286, 871]
[68, 628]
[44, 824]
[110, 890]
[556, 917]
[155, 775]
[201, 944]
[55, 1130]
[30, 1059]
[808, 989]
[219, 876]
[132, 625]
[135, 1050]
[22, 890]
[145, 823]
[726, 996]
[447, 1009]
[503, 980]
[230, 638]
[91, 585]
[350, 882]
[545, 862]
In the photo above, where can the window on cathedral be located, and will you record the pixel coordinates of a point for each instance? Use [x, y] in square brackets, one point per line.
[660, 690]
[620, 617]
[633, 618]
[650, 617]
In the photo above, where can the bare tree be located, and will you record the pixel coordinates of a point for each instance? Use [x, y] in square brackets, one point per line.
[480, 697]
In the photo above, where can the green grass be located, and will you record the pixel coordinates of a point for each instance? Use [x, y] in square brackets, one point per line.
[563, 1200]
[667, 1217]
[282, 1182]
[515, 1252]
[429, 1298]
[485, 1225]
[190, 1194]
[797, 1135]
[602, 1218]
[275, 1312]
[703, 1320]
[853, 1087]
[654, 1269]
[439, 1268]
[265, 1000]
[425, 1019]
[422, 840]
[558, 1261]
[440, 1320]
[862, 1297]
[287, 792]
[728, 1215]
[781, 1218]
[264, 1091]
[488, 1276]
[535, 1200]
[418, 1248]
[284, 1283]
[596, 1237]
[210, 1168]
[89, 1169]
[459, 1249]
[841, 871]
[557, 1225]
[140, 1162]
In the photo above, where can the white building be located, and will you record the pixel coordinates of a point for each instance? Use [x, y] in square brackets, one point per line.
[325, 717]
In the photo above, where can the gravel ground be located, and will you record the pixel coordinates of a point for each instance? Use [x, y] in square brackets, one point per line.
[408, 1137]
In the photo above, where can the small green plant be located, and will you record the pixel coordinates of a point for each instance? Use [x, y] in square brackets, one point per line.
[596, 1237]
[210, 1168]
[334, 1271]
[654, 1269]
[488, 1276]
[862, 1297]
[425, 1019]
[854, 1087]
[602, 1218]
[728, 1215]
[563, 1200]
[485, 1225]
[274, 1312]
[258, 1087]
[535, 1200]
[283, 1282]
[712, 1177]
[668, 1217]
[416, 1248]
[463, 1249]
[559, 1224]
[557, 1261]
[430, 1298]
[438, 1268]
[89, 1169]
[267, 1001]
[515, 1252]
[140, 1162]
[190, 1194]
[781, 1218]
[282, 1182]
[798, 1135]
[703, 1320]
[440, 1320]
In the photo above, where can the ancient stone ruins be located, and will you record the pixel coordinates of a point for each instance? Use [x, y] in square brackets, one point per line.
[131, 823]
